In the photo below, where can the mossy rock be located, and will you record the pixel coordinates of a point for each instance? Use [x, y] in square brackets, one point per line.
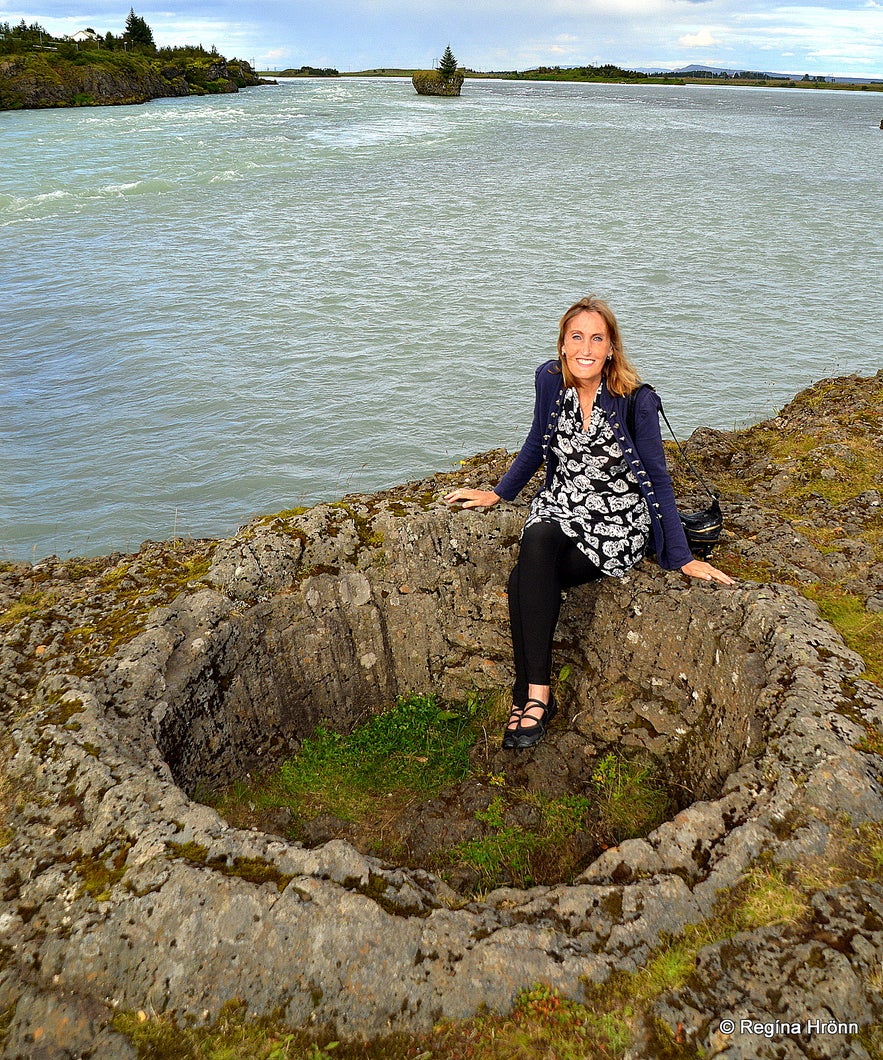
[431, 83]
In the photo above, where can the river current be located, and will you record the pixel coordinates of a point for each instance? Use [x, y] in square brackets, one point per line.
[219, 307]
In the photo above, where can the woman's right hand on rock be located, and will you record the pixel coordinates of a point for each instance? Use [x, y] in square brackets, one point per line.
[472, 498]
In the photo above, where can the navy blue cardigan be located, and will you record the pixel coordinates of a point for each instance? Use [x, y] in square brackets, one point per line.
[644, 454]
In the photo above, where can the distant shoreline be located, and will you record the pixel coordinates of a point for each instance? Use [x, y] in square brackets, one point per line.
[621, 79]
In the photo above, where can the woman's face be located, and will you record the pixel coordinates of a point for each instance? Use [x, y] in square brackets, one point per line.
[586, 346]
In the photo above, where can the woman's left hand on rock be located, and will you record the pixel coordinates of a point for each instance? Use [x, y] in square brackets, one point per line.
[698, 568]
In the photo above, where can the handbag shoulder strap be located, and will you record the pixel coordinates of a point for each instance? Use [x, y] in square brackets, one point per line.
[630, 408]
[630, 423]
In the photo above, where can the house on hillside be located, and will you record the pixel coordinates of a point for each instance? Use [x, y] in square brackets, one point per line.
[84, 35]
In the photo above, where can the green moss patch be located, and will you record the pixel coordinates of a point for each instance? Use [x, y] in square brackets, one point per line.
[231, 1037]
[253, 870]
[7, 792]
[29, 605]
[91, 607]
[416, 748]
[630, 798]
[518, 855]
[861, 629]
[101, 871]
[422, 761]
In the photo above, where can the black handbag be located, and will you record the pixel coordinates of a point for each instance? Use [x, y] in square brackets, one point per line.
[703, 528]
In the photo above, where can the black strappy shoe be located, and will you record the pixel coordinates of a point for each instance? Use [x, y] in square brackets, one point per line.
[509, 735]
[530, 735]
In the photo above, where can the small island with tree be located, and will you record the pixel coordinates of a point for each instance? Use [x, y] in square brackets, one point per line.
[445, 80]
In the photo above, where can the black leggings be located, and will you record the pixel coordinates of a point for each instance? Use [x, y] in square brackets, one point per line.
[548, 563]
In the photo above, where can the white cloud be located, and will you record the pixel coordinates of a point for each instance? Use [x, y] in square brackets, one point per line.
[847, 38]
[702, 39]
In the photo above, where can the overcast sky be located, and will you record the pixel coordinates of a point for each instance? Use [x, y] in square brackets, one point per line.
[842, 37]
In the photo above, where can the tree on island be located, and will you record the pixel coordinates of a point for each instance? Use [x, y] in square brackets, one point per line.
[137, 31]
[447, 65]
[444, 80]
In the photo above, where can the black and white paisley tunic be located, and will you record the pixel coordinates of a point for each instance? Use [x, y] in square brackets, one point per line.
[594, 496]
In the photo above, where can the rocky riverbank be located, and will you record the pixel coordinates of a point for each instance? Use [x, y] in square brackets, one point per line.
[130, 683]
[98, 78]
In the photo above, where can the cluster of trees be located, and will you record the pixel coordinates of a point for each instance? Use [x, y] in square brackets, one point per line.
[137, 36]
[582, 73]
[311, 71]
[746, 75]
[23, 37]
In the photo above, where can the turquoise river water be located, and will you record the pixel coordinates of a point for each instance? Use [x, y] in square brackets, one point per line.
[226, 306]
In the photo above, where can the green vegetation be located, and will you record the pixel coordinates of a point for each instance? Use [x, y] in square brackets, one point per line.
[6, 796]
[310, 71]
[116, 597]
[447, 65]
[612, 74]
[28, 605]
[609, 73]
[101, 871]
[137, 37]
[254, 870]
[138, 32]
[15, 40]
[127, 601]
[862, 630]
[416, 748]
[132, 77]
[231, 1037]
[48, 71]
[629, 797]
[519, 855]
[432, 83]
[371, 781]
[628, 800]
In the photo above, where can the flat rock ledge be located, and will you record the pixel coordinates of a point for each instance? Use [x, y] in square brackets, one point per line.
[120, 892]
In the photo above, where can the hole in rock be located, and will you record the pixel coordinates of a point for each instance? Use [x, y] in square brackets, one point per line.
[425, 785]
[307, 728]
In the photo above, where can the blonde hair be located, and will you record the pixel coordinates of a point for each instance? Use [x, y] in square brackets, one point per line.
[620, 376]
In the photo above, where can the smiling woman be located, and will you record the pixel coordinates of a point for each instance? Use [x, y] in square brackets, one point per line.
[607, 499]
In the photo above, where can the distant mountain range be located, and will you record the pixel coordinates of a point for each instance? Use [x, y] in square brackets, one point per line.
[696, 69]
